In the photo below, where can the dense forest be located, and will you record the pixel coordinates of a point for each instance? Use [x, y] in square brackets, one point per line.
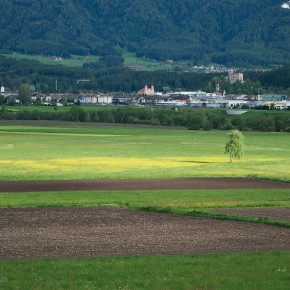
[108, 75]
[232, 32]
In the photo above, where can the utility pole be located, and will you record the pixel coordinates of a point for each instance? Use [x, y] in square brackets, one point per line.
[56, 85]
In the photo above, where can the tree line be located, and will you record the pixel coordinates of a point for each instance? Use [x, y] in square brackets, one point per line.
[193, 119]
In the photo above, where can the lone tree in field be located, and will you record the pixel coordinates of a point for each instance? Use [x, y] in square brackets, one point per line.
[234, 146]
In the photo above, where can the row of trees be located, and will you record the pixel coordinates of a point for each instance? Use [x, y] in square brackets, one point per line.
[193, 119]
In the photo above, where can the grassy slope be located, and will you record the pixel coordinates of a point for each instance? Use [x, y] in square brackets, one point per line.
[136, 63]
[130, 60]
[30, 152]
[73, 61]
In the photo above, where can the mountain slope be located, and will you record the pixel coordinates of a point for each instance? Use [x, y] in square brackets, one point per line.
[225, 31]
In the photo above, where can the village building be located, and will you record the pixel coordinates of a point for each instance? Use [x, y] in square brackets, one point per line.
[235, 77]
[93, 99]
[146, 91]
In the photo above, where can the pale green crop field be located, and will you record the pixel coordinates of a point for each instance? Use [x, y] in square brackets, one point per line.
[87, 152]
[130, 60]
[137, 63]
[73, 61]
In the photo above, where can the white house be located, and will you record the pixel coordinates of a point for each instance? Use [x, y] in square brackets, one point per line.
[94, 99]
[105, 99]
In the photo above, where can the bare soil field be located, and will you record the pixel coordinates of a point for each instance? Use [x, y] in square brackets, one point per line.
[141, 184]
[277, 213]
[101, 231]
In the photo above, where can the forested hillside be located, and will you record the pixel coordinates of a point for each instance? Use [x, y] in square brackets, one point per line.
[237, 32]
[104, 77]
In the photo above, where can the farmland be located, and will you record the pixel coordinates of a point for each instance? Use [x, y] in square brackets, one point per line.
[73, 61]
[130, 60]
[80, 152]
[68, 222]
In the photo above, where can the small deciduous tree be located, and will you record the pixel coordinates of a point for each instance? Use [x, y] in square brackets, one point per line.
[234, 146]
[24, 94]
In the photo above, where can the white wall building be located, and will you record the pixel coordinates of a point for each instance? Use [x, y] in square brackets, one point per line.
[105, 99]
[236, 77]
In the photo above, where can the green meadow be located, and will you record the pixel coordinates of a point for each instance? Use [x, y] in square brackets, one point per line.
[212, 271]
[87, 152]
[137, 63]
[130, 60]
[84, 152]
[175, 199]
[73, 61]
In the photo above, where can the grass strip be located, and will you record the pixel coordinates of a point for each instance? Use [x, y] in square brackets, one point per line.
[198, 271]
[178, 199]
[217, 216]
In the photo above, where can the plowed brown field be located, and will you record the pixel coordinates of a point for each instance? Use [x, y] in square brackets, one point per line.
[101, 231]
[141, 184]
[94, 231]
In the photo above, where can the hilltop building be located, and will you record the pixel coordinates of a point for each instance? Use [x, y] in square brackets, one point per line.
[235, 77]
[2, 89]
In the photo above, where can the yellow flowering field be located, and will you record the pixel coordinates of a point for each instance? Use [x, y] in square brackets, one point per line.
[31, 152]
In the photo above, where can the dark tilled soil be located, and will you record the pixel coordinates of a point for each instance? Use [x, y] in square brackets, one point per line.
[277, 213]
[141, 184]
[96, 231]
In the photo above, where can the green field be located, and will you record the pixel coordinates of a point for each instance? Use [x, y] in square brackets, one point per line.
[73, 61]
[80, 152]
[136, 63]
[213, 271]
[130, 60]
[175, 199]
